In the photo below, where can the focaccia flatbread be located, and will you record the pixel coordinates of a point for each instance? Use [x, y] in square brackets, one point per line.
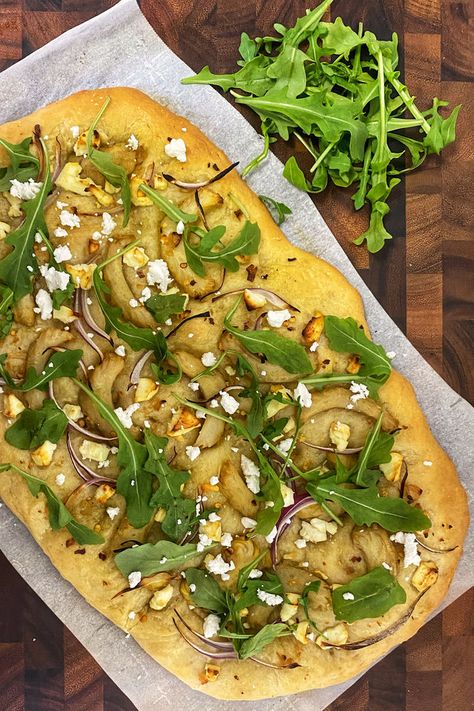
[289, 293]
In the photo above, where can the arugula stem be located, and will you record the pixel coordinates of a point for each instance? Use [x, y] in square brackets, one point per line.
[118, 253]
[262, 155]
[330, 513]
[318, 158]
[409, 101]
[166, 206]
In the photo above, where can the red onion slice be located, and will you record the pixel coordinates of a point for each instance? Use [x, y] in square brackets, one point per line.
[202, 183]
[79, 326]
[349, 450]
[75, 426]
[82, 308]
[286, 515]
[270, 296]
[435, 550]
[204, 314]
[82, 469]
[138, 367]
[210, 642]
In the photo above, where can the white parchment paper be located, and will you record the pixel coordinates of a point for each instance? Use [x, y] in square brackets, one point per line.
[119, 47]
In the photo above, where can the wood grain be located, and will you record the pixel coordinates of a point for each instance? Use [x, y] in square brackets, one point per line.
[424, 279]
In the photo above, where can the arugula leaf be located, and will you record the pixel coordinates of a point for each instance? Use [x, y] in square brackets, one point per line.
[23, 164]
[62, 364]
[134, 481]
[371, 595]
[256, 415]
[310, 587]
[180, 511]
[58, 514]
[277, 349]
[6, 313]
[208, 593]
[166, 206]
[246, 242]
[376, 450]
[163, 306]
[279, 208]
[254, 645]
[366, 506]
[115, 174]
[151, 558]
[269, 583]
[19, 265]
[33, 427]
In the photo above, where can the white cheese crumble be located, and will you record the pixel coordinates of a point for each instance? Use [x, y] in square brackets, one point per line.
[44, 304]
[193, 452]
[226, 540]
[251, 473]
[120, 351]
[300, 543]
[255, 573]
[125, 416]
[60, 232]
[409, 542]
[391, 354]
[69, 219]
[25, 191]
[248, 522]
[176, 148]
[180, 227]
[313, 347]
[113, 511]
[359, 392]
[229, 403]
[302, 395]
[278, 318]
[285, 445]
[269, 598]
[219, 566]
[62, 253]
[108, 224]
[192, 587]
[132, 143]
[348, 596]
[131, 615]
[60, 479]
[159, 274]
[75, 131]
[214, 480]
[134, 578]
[208, 359]
[427, 463]
[272, 535]
[54, 278]
[211, 626]
[193, 386]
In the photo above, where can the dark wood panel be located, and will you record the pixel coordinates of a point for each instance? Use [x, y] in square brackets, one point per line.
[424, 279]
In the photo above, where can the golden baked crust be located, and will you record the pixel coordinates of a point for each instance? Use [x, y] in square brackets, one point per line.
[311, 285]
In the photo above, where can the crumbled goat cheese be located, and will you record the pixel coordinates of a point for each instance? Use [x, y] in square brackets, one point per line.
[391, 354]
[75, 131]
[60, 232]
[387, 566]
[54, 278]
[427, 463]
[125, 416]
[60, 204]
[285, 445]
[313, 347]
[192, 588]
[302, 395]
[360, 392]
[60, 479]
[251, 473]
[348, 596]
[120, 351]
[158, 273]
[62, 254]
[300, 543]
[226, 540]
[255, 573]
[214, 480]
[134, 578]
[176, 148]
[146, 294]
[180, 227]
[132, 143]
[278, 318]
[229, 403]
[133, 303]
[25, 191]
[131, 615]
[108, 224]
[44, 304]
[272, 535]
[269, 598]
[69, 219]
[211, 626]
[208, 359]
[193, 386]
[193, 452]
[409, 542]
[204, 539]
[218, 566]
[248, 522]
[113, 511]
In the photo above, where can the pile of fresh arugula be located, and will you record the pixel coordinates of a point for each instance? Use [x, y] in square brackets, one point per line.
[339, 93]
